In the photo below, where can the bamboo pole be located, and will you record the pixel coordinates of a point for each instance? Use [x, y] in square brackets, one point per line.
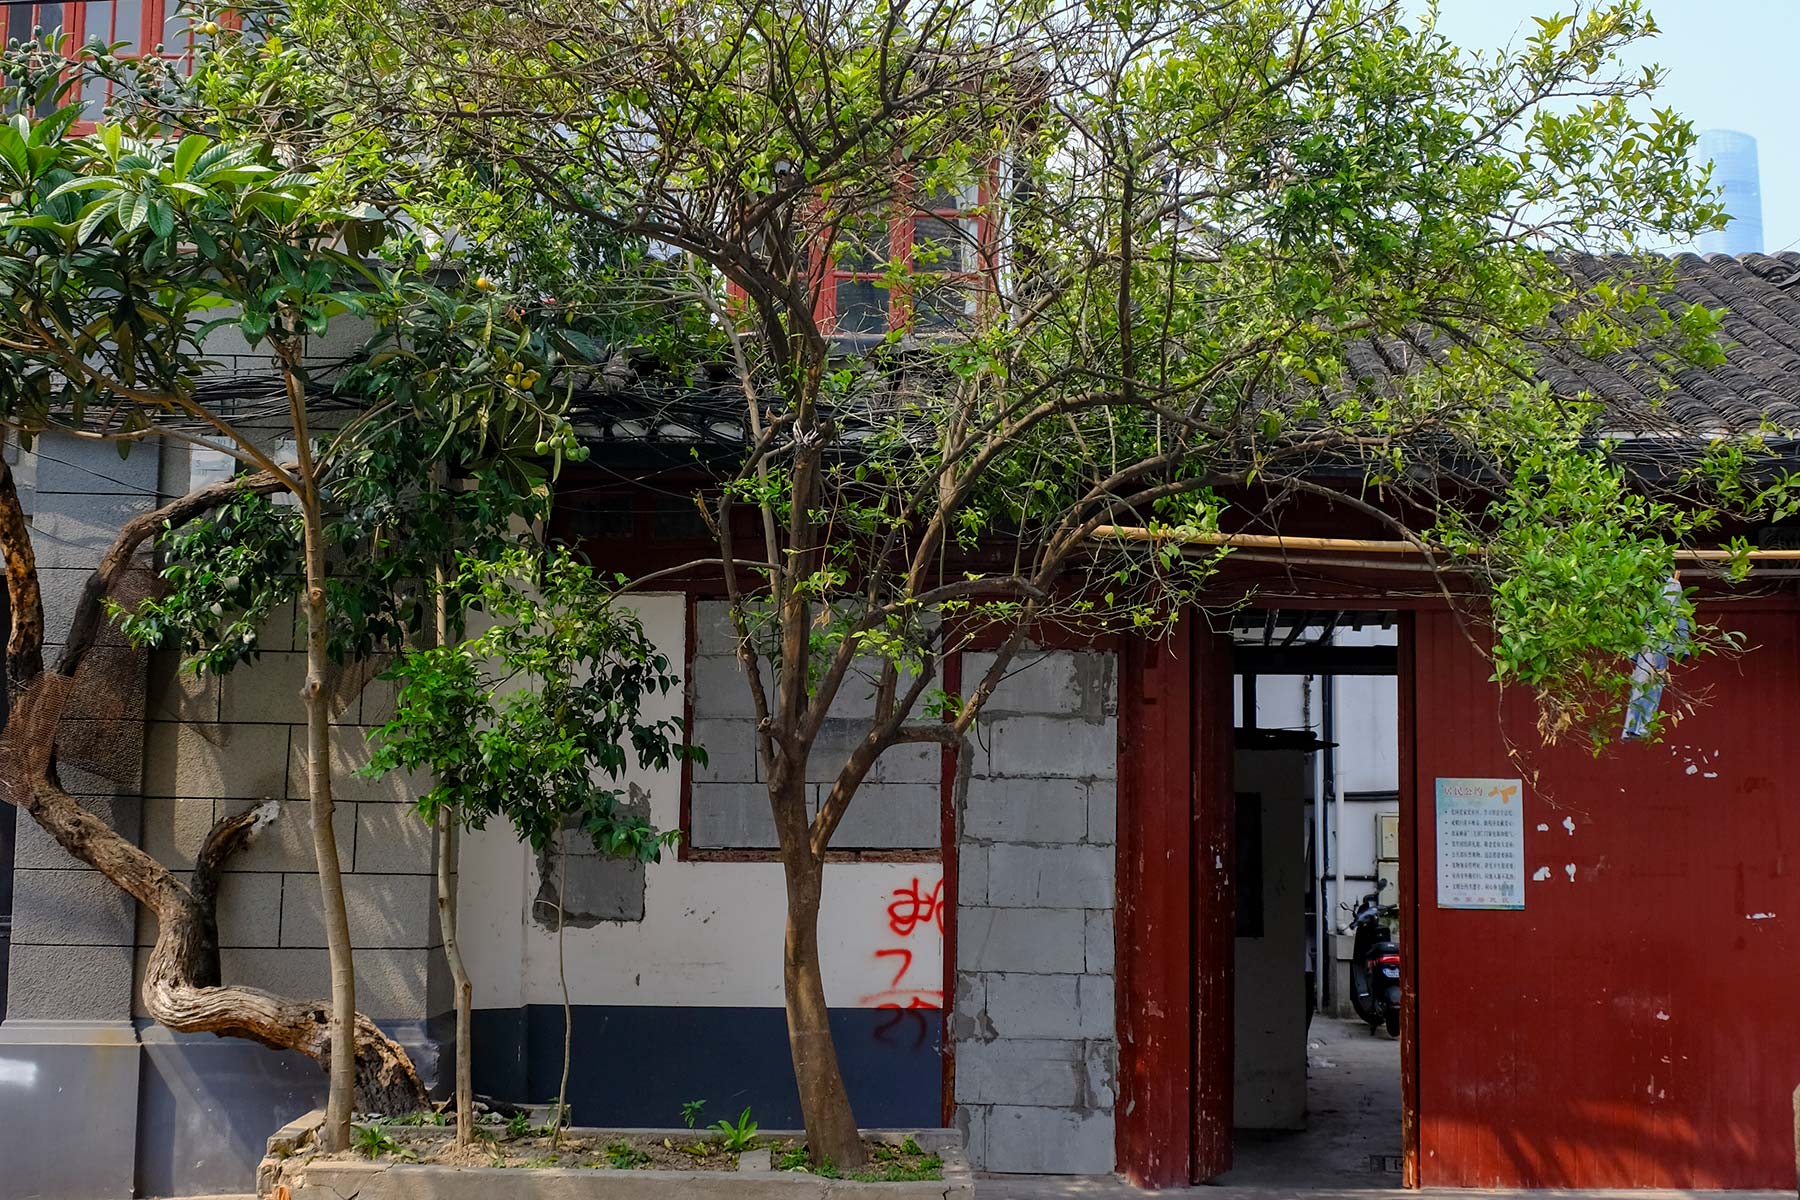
[1342, 545]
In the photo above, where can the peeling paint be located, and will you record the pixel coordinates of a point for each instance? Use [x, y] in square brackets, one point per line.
[1662, 1016]
[1570, 868]
[1543, 828]
[1760, 917]
[1569, 824]
[1541, 874]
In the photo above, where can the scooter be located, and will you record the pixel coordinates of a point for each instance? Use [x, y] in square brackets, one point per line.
[1375, 964]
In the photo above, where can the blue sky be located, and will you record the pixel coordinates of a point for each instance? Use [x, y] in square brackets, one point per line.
[1730, 65]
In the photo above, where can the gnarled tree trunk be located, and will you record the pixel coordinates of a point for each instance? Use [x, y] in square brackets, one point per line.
[182, 987]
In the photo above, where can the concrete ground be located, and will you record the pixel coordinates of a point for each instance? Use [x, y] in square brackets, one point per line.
[1352, 1134]
[1352, 1138]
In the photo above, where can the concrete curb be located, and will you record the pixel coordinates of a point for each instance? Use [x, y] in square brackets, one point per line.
[289, 1172]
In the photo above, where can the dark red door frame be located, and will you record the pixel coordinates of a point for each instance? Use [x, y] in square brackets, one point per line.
[1215, 904]
[1175, 907]
[1409, 906]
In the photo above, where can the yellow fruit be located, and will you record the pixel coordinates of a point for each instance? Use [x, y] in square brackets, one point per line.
[483, 284]
[210, 28]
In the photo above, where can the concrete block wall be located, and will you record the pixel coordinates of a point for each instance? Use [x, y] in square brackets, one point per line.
[217, 746]
[1033, 1020]
[898, 806]
[162, 755]
[72, 929]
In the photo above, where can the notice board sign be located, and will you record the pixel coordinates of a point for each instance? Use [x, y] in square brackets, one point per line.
[1480, 843]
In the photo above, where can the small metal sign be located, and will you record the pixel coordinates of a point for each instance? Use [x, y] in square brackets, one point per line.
[1480, 843]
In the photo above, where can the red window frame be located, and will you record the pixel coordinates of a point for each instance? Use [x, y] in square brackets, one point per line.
[81, 20]
[903, 226]
[903, 236]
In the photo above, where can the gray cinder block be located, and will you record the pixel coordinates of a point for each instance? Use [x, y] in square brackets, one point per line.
[1027, 810]
[1050, 747]
[1021, 939]
[1050, 876]
[1053, 1141]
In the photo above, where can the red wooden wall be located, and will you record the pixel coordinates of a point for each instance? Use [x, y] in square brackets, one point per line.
[1634, 1026]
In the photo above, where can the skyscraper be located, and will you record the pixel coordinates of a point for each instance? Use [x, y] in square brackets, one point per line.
[1733, 156]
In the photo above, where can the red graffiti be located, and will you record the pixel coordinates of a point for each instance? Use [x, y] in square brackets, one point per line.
[905, 957]
[912, 908]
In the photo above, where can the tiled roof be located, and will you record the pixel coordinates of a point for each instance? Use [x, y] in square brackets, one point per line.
[1761, 337]
[1647, 393]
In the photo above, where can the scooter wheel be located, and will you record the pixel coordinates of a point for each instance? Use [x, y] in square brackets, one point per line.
[1393, 1022]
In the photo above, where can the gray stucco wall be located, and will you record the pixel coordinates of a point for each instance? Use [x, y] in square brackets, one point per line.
[161, 755]
[1033, 1019]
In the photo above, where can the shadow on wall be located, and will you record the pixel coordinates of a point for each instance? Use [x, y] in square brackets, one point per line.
[206, 1107]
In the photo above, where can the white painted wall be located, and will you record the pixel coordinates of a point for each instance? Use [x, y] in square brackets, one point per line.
[1270, 1009]
[712, 932]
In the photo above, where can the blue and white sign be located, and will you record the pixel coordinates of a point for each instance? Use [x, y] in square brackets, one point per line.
[1480, 843]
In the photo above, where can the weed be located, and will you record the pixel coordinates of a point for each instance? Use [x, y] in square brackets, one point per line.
[690, 1112]
[738, 1137]
[910, 1146]
[549, 1160]
[519, 1126]
[373, 1141]
[794, 1160]
[927, 1168]
[623, 1156]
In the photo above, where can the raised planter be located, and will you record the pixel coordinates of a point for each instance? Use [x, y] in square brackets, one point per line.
[293, 1170]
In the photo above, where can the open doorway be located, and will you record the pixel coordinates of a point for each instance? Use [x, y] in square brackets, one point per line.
[1317, 1072]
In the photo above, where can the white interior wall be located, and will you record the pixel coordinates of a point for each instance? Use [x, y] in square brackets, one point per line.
[712, 932]
[1270, 1010]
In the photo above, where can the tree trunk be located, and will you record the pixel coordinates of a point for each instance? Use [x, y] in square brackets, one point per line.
[335, 1133]
[562, 977]
[448, 850]
[182, 988]
[459, 978]
[831, 1131]
[25, 601]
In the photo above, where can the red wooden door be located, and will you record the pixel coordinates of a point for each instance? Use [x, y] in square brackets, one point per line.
[1215, 906]
[1175, 914]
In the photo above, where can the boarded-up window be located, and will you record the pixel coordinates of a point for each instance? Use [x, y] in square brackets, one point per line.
[897, 808]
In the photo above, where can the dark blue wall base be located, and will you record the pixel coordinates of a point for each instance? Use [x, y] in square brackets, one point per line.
[207, 1105]
[68, 1105]
[104, 1110]
[636, 1066]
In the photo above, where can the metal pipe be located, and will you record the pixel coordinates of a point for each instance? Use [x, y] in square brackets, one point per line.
[1333, 793]
[1323, 956]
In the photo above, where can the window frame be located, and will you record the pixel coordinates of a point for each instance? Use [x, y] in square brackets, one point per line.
[686, 851]
[152, 26]
[902, 239]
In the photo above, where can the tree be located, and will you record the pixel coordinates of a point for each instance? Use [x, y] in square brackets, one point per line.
[530, 721]
[1137, 263]
[119, 251]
